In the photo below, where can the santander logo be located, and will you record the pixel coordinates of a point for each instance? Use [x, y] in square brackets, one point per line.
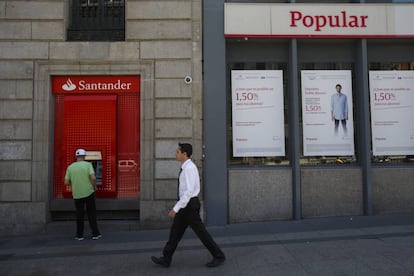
[69, 86]
[96, 84]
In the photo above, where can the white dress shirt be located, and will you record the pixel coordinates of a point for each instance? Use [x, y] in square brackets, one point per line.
[189, 184]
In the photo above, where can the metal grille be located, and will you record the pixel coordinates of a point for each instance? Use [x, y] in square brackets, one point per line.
[59, 173]
[128, 146]
[97, 20]
[89, 122]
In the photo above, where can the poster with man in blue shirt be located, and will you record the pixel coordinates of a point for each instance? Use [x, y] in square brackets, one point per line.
[326, 114]
[339, 109]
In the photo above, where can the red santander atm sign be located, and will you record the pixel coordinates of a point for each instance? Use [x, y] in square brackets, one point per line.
[95, 84]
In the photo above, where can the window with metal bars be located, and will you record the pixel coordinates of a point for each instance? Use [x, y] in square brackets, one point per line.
[96, 20]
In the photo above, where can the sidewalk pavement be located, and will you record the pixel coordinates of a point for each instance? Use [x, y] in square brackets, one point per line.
[366, 245]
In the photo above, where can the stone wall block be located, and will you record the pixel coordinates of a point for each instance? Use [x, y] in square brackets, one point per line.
[165, 49]
[15, 191]
[15, 170]
[165, 148]
[147, 113]
[173, 108]
[124, 51]
[86, 51]
[49, 30]
[174, 128]
[31, 217]
[259, 195]
[169, 88]
[16, 89]
[159, 29]
[94, 50]
[153, 213]
[8, 109]
[15, 129]
[173, 69]
[2, 9]
[328, 193]
[16, 69]
[166, 189]
[15, 30]
[18, 150]
[147, 125]
[166, 169]
[64, 50]
[24, 50]
[34, 9]
[392, 190]
[158, 9]
[40, 175]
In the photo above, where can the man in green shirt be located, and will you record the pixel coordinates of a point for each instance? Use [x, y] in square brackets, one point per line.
[80, 175]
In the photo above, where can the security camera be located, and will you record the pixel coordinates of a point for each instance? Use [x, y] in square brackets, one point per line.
[188, 79]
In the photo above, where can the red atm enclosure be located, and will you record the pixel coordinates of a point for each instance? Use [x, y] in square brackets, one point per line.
[100, 114]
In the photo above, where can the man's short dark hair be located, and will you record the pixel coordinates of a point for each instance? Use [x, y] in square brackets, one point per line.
[338, 85]
[187, 148]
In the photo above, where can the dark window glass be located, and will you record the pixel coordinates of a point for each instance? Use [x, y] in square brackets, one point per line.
[97, 20]
[317, 160]
[388, 66]
[256, 161]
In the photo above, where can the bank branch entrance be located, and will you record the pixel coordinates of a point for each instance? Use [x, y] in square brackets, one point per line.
[102, 115]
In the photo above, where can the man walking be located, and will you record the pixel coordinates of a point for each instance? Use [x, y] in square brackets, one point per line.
[80, 175]
[186, 212]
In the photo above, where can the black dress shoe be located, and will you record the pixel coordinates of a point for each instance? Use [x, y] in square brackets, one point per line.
[215, 262]
[160, 261]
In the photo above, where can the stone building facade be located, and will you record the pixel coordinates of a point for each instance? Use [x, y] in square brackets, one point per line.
[163, 44]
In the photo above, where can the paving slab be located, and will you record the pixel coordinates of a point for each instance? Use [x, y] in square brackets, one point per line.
[381, 245]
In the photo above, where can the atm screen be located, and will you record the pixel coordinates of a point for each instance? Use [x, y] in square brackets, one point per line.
[95, 157]
[97, 166]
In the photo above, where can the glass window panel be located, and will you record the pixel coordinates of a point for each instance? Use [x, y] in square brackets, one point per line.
[387, 66]
[96, 20]
[256, 161]
[321, 159]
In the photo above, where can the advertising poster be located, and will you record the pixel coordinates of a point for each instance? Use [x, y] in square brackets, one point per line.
[257, 110]
[327, 113]
[392, 112]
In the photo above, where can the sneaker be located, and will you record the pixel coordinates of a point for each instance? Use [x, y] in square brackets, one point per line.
[79, 238]
[97, 237]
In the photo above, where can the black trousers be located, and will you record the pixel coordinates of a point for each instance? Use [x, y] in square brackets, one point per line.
[80, 204]
[190, 216]
[343, 123]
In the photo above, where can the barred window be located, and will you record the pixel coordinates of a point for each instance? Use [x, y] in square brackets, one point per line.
[96, 20]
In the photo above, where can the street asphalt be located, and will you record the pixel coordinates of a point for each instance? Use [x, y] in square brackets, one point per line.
[364, 245]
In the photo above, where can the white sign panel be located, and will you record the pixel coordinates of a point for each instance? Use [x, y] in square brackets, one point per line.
[327, 113]
[257, 109]
[392, 112]
[318, 20]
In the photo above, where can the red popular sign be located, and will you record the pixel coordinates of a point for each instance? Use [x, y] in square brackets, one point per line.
[95, 84]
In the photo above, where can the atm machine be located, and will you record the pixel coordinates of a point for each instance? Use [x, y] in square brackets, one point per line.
[104, 120]
[95, 157]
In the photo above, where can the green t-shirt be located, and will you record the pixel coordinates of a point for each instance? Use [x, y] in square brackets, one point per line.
[78, 173]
